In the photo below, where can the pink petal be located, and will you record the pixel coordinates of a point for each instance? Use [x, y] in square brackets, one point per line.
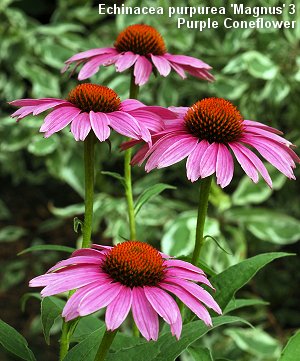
[99, 297]
[199, 73]
[245, 163]
[194, 160]
[126, 61]
[161, 64]
[187, 275]
[267, 134]
[179, 110]
[81, 126]
[125, 124]
[70, 310]
[140, 155]
[150, 120]
[176, 327]
[100, 125]
[101, 246]
[35, 102]
[118, 309]
[23, 112]
[190, 301]
[91, 66]
[88, 252]
[162, 303]
[179, 70]
[197, 292]
[209, 161]
[187, 60]
[76, 260]
[58, 119]
[160, 111]
[182, 264]
[131, 104]
[41, 108]
[224, 166]
[253, 158]
[164, 156]
[144, 315]
[91, 53]
[262, 126]
[142, 70]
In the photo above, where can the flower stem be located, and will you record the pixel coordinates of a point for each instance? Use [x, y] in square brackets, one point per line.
[205, 184]
[134, 90]
[64, 341]
[89, 155]
[105, 344]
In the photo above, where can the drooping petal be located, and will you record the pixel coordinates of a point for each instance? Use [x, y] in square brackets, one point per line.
[267, 134]
[118, 309]
[187, 275]
[89, 252]
[252, 123]
[76, 260]
[194, 160]
[125, 61]
[140, 155]
[182, 264]
[144, 315]
[162, 64]
[100, 125]
[91, 66]
[35, 102]
[190, 301]
[245, 163]
[81, 126]
[99, 297]
[142, 70]
[198, 292]
[209, 161]
[128, 105]
[179, 70]
[125, 124]
[224, 166]
[187, 60]
[58, 119]
[150, 120]
[176, 327]
[162, 303]
[91, 53]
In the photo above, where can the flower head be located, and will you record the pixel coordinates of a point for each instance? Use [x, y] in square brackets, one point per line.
[209, 134]
[143, 47]
[96, 107]
[130, 276]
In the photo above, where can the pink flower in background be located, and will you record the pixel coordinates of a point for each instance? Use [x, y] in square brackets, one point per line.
[96, 107]
[130, 276]
[143, 47]
[210, 134]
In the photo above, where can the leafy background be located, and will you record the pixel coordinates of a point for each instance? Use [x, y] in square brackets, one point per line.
[42, 180]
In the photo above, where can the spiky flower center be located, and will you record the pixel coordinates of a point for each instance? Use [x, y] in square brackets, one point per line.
[134, 264]
[94, 97]
[141, 39]
[214, 119]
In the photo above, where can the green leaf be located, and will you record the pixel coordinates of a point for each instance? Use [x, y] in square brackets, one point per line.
[267, 225]
[254, 341]
[167, 348]
[150, 193]
[86, 349]
[116, 176]
[40, 146]
[69, 211]
[14, 342]
[259, 65]
[47, 247]
[235, 304]
[11, 233]
[85, 327]
[227, 283]
[291, 351]
[200, 354]
[51, 309]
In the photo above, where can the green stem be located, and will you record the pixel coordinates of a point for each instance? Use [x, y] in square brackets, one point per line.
[105, 344]
[64, 340]
[89, 155]
[205, 184]
[134, 90]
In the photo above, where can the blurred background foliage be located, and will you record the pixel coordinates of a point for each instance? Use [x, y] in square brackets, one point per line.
[42, 179]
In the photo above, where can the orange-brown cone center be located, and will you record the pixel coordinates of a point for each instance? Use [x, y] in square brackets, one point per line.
[141, 39]
[214, 119]
[94, 97]
[134, 264]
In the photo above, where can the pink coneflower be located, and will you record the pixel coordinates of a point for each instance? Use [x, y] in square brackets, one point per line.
[209, 134]
[143, 47]
[130, 276]
[96, 107]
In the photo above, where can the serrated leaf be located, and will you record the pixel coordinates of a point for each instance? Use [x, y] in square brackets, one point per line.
[51, 309]
[14, 342]
[291, 351]
[227, 283]
[47, 247]
[150, 193]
